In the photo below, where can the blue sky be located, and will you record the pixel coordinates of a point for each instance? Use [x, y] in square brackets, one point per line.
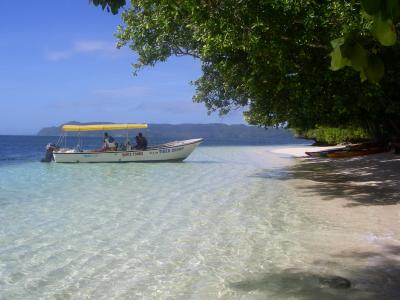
[58, 63]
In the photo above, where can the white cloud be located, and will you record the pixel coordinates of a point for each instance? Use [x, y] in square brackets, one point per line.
[92, 46]
[131, 91]
[110, 98]
[139, 109]
[57, 55]
[81, 47]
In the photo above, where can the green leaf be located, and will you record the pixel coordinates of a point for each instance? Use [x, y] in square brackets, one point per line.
[363, 76]
[358, 57]
[338, 61]
[384, 31]
[337, 42]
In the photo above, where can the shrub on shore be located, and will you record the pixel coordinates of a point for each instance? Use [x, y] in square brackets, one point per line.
[335, 135]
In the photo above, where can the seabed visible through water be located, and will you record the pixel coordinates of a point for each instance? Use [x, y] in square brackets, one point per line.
[230, 223]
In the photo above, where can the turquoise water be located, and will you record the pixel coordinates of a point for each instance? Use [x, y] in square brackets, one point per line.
[211, 227]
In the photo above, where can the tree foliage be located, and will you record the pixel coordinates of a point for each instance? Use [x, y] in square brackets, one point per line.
[112, 6]
[361, 47]
[272, 57]
[336, 135]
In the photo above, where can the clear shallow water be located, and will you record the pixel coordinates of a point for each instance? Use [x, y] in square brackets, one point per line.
[208, 228]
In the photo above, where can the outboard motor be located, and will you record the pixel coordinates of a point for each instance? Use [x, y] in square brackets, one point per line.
[49, 152]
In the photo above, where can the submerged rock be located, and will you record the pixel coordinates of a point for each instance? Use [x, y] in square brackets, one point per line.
[335, 282]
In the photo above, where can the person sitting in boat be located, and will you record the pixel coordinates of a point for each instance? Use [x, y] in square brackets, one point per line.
[127, 146]
[141, 142]
[138, 145]
[109, 143]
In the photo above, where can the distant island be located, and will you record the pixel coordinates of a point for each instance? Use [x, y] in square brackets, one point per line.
[213, 134]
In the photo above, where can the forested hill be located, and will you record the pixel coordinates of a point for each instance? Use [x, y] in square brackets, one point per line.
[213, 134]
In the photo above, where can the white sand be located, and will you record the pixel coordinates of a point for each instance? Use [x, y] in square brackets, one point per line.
[359, 199]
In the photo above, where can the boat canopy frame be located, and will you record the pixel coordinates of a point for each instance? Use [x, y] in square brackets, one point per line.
[104, 127]
[62, 141]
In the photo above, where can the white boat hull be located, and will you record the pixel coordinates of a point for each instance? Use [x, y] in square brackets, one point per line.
[174, 151]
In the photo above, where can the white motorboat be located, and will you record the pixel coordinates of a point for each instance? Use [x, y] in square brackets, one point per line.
[173, 151]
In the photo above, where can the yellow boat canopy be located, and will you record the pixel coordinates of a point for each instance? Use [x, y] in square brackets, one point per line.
[102, 127]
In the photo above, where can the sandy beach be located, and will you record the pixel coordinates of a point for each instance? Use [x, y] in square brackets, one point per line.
[360, 194]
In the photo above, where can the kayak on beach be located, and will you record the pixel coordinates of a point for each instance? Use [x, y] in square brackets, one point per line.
[349, 151]
[323, 153]
[354, 153]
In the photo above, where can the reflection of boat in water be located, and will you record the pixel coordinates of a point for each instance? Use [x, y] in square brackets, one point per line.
[173, 151]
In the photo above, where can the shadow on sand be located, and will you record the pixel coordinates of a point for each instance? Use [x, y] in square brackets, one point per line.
[366, 181]
[372, 180]
[376, 276]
